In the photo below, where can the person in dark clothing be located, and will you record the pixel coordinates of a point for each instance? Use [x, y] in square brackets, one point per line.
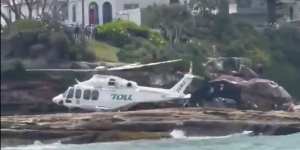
[76, 31]
[87, 31]
[93, 31]
[212, 90]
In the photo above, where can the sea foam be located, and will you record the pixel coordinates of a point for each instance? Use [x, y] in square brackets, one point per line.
[37, 145]
[180, 134]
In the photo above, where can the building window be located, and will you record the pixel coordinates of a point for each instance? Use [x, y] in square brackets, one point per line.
[70, 93]
[78, 93]
[107, 12]
[95, 95]
[74, 13]
[131, 6]
[93, 13]
[87, 94]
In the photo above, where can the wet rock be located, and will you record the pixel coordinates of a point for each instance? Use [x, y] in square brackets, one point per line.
[145, 124]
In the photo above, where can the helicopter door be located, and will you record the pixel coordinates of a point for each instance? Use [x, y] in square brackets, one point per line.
[95, 95]
[78, 96]
[70, 96]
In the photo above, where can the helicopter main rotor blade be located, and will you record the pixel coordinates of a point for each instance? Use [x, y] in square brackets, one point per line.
[104, 68]
[135, 66]
[62, 70]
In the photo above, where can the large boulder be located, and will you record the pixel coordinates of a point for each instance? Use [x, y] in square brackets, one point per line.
[265, 94]
[231, 78]
[260, 94]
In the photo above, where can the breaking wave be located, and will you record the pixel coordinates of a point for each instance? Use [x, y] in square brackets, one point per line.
[37, 145]
[182, 142]
[179, 134]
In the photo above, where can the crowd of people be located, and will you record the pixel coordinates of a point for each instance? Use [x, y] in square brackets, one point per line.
[88, 31]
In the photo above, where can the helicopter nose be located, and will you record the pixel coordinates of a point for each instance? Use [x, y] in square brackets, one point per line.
[58, 99]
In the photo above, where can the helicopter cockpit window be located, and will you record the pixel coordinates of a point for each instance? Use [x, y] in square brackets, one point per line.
[112, 82]
[77, 93]
[65, 93]
[95, 95]
[87, 94]
[70, 93]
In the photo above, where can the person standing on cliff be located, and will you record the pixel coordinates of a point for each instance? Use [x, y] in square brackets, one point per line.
[76, 31]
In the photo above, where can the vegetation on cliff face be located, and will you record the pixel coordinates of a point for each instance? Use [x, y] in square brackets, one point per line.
[284, 47]
[203, 34]
[103, 51]
[135, 43]
[179, 33]
[28, 39]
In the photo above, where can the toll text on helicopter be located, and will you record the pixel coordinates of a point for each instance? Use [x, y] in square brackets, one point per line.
[124, 97]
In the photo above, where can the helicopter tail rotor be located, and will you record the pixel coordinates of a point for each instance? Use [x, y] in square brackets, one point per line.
[191, 72]
[185, 81]
[191, 68]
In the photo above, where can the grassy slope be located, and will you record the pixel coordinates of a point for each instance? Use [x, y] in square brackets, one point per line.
[103, 51]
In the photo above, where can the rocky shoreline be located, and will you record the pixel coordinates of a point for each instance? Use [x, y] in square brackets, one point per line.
[78, 128]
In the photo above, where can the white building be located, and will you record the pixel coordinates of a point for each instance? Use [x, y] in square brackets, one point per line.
[256, 11]
[103, 11]
[291, 10]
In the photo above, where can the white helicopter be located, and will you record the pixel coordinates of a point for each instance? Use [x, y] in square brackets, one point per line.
[111, 93]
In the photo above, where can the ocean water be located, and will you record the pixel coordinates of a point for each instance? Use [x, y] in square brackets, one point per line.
[242, 141]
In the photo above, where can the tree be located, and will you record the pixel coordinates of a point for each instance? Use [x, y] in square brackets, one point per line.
[5, 18]
[171, 20]
[41, 6]
[14, 6]
[30, 4]
[45, 8]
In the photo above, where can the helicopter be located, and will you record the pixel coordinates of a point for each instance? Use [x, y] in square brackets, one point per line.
[112, 93]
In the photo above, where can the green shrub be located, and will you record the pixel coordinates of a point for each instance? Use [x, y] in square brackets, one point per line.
[284, 44]
[135, 30]
[80, 51]
[23, 26]
[102, 51]
[120, 33]
[157, 39]
[24, 38]
[141, 50]
[58, 40]
[115, 33]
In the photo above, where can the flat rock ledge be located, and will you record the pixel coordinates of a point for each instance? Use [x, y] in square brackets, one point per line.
[78, 128]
